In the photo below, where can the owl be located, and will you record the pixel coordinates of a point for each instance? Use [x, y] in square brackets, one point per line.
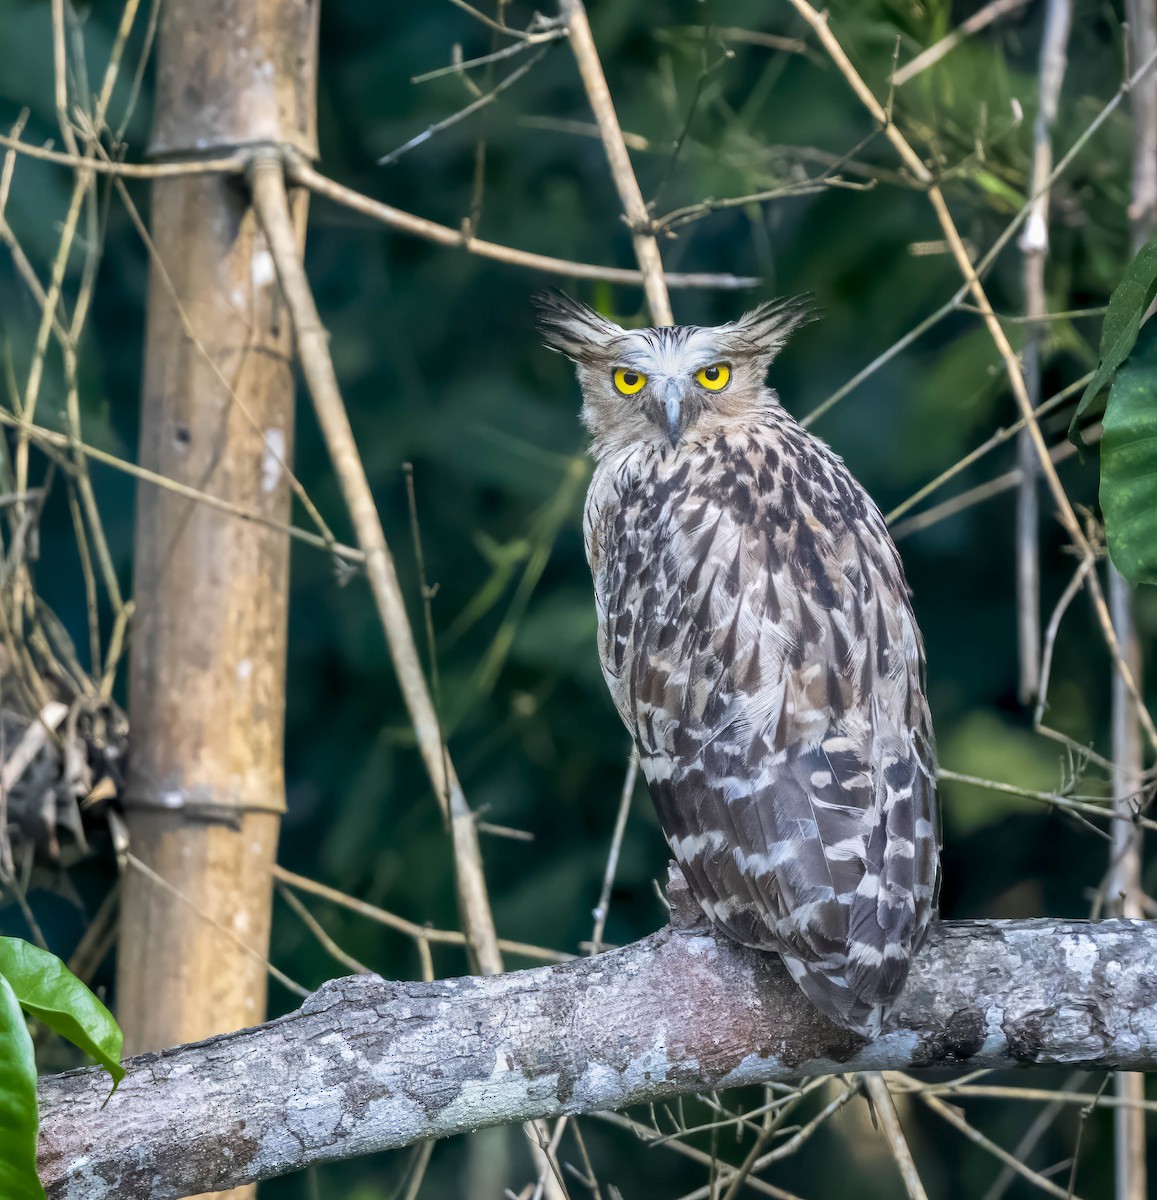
[758, 640]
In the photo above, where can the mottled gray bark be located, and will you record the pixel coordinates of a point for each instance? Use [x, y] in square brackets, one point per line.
[368, 1065]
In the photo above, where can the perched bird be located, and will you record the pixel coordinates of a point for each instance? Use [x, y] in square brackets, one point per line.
[758, 640]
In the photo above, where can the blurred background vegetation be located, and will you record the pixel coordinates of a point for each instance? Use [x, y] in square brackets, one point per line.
[441, 368]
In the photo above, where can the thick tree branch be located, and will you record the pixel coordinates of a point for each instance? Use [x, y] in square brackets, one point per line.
[368, 1065]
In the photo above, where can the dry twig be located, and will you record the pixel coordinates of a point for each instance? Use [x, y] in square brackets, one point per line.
[977, 495]
[131, 861]
[981, 19]
[603, 906]
[271, 202]
[302, 174]
[422, 935]
[638, 219]
[1034, 245]
[880, 1093]
[957, 1121]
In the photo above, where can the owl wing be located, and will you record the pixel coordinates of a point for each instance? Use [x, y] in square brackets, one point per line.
[757, 636]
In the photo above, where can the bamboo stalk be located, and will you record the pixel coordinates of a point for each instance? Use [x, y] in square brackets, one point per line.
[207, 676]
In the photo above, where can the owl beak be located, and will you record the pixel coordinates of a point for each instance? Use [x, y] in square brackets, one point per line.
[673, 410]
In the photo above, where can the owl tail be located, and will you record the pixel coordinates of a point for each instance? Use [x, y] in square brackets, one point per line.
[826, 986]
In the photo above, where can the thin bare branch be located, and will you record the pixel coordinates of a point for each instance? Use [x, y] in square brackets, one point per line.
[51, 438]
[1053, 799]
[603, 906]
[490, 23]
[638, 219]
[976, 495]
[954, 1118]
[482, 101]
[1030, 1095]
[302, 174]
[756, 37]
[272, 205]
[315, 927]
[483, 60]
[810, 186]
[423, 935]
[981, 19]
[696, 1155]
[1034, 245]
[877, 1087]
[985, 263]
[1067, 596]
[998, 439]
[1041, 1124]
[135, 864]
[232, 164]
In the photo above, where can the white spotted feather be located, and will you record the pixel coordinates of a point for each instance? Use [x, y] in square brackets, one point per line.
[757, 637]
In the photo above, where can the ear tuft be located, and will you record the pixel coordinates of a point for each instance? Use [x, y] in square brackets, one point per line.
[572, 328]
[766, 328]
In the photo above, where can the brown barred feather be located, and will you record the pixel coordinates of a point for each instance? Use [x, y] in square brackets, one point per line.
[758, 640]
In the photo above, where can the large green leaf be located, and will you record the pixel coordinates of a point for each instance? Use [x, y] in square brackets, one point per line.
[1129, 463]
[49, 991]
[18, 1114]
[1127, 307]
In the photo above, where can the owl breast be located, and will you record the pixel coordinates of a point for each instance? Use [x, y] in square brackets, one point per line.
[756, 634]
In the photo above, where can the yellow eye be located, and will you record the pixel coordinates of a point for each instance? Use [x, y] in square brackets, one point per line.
[629, 382]
[714, 378]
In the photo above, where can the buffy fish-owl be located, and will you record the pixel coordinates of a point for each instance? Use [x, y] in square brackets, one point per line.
[758, 640]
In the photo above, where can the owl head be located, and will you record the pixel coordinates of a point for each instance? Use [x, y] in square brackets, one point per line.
[667, 383]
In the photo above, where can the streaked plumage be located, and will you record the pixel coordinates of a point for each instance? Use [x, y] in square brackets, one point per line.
[758, 641]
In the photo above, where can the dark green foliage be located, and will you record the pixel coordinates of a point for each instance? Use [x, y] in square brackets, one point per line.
[18, 1119]
[41, 985]
[1123, 393]
[47, 990]
[1127, 307]
[1129, 463]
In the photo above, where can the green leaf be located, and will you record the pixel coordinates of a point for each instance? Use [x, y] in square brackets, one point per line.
[1129, 463]
[50, 992]
[1127, 307]
[19, 1120]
